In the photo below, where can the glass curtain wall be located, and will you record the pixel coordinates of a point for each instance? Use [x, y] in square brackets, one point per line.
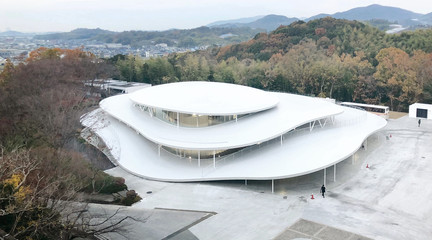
[203, 154]
[188, 120]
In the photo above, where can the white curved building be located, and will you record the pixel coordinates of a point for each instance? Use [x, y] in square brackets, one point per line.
[203, 131]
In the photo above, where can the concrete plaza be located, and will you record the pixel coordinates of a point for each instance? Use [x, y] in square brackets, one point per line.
[388, 200]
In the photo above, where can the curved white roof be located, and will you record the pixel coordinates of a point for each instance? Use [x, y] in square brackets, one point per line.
[293, 154]
[205, 98]
[299, 154]
[291, 112]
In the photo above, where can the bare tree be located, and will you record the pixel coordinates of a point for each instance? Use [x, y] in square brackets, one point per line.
[38, 197]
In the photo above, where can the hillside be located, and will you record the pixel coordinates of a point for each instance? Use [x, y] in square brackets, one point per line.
[238, 20]
[342, 36]
[426, 19]
[80, 33]
[375, 11]
[269, 23]
[332, 35]
[180, 38]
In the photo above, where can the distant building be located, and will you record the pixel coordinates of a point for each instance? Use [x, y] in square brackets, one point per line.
[420, 110]
[114, 45]
[161, 45]
[116, 86]
[227, 35]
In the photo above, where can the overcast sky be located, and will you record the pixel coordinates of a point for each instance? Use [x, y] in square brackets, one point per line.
[120, 15]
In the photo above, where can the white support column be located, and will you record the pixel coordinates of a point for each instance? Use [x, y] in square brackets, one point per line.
[334, 177]
[178, 120]
[159, 147]
[325, 174]
[272, 185]
[365, 144]
[325, 121]
[311, 125]
[236, 117]
[319, 121]
[281, 140]
[214, 158]
[245, 182]
[199, 158]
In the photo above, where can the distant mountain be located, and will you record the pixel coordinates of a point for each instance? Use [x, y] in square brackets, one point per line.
[80, 33]
[175, 37]
[321, 15]
[375, 14]
[15, 34]
[240, 20]
[269, 23]
[237, 30]
[375, 11]
[426, 19]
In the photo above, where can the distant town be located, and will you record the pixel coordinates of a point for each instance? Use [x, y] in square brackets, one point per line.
[17, 48]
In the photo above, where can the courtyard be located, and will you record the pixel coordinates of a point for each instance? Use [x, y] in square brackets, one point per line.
[388, 200]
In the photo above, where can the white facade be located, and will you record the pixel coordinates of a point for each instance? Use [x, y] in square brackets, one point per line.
[117, 85]
[278, 136]
[420, 110]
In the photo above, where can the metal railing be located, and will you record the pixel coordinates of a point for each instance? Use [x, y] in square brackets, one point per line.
[277, 141]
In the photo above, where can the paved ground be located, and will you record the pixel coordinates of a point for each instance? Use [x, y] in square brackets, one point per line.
[304, 229]
[389, 200]
[149, 224]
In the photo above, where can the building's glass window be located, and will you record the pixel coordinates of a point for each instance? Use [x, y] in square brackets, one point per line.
[203, 154]
[188, 120]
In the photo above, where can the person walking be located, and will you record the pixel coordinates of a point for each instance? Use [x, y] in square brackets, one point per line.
[323, 191]
[419, 122]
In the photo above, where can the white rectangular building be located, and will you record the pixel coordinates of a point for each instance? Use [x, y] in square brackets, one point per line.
[420, 110]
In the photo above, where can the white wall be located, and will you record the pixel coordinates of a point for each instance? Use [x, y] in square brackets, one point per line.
[413, 109]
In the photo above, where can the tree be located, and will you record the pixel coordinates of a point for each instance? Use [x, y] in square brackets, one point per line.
[397, 76]
[422, 65]
[128, 68]
[194, 68]
[37, 189]
[7, 74]
[44, 100]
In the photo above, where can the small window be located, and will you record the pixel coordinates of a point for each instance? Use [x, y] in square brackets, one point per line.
[422, 113]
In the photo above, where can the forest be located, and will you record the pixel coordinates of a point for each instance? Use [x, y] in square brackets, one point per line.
[341, 59]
